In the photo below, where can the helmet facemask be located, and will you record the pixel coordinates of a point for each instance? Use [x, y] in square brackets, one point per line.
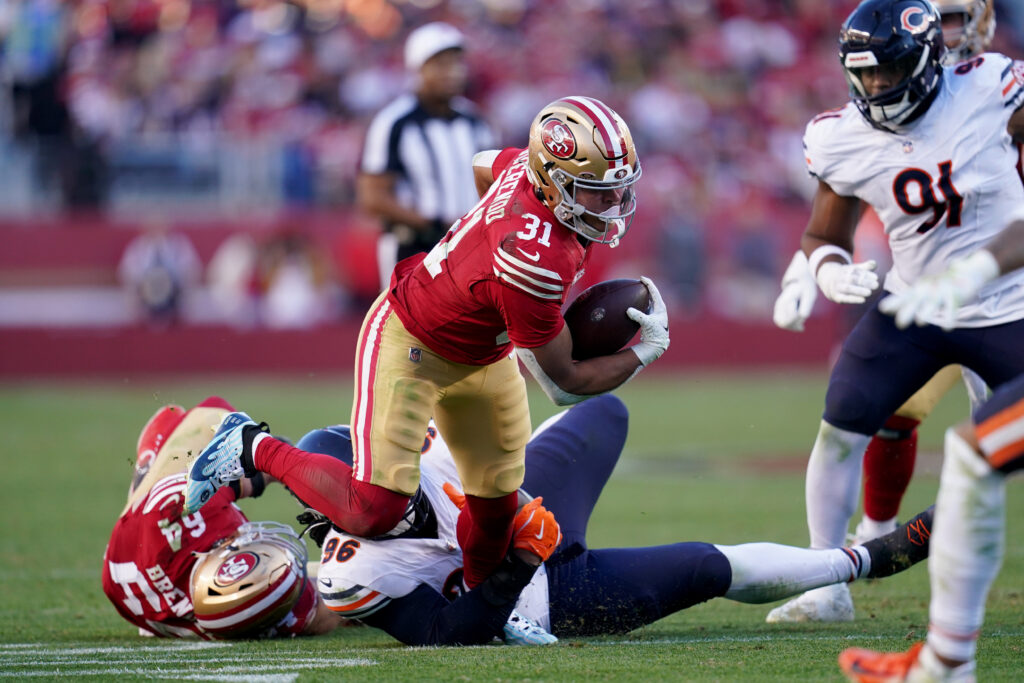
[606, 226]
[898, 38]
[892, 107]
[247, 584]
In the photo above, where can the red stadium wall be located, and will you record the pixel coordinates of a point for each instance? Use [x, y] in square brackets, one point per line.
[86, 251]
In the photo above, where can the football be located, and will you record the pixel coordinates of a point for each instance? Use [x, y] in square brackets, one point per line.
[597, 318]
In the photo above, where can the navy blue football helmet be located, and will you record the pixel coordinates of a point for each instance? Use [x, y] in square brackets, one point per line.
[419, 519]
[334, 441]
[902, 38]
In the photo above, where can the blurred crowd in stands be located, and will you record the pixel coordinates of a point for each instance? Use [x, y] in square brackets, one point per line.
[716, 92]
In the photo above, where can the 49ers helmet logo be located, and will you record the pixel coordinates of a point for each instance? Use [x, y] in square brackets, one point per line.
[558, 139]
[235, 567]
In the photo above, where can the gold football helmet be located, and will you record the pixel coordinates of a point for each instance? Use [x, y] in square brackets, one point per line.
[583, 163]
[246, 585]
[975, 35]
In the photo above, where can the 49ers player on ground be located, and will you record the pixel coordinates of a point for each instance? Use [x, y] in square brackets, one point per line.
[209, 574]
[438, 343]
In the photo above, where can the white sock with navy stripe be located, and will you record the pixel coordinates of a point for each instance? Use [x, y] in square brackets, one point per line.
[765, 572]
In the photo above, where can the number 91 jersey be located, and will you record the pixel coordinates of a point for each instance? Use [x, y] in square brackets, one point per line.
[944, 185]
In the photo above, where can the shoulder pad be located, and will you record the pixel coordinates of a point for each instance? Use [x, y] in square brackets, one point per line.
[988, 72]
[1011, 83]
[820, 138]
[524, 269]
[835, 113]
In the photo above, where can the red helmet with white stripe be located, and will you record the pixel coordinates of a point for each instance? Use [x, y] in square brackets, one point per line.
[249, 583]
[584, 164]
[154, 435]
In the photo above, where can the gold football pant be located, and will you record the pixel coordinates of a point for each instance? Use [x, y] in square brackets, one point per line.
[400, 384]
[921, 404]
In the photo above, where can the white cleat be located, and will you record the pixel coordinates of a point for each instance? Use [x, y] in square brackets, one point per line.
[869, 529]
[830, 603]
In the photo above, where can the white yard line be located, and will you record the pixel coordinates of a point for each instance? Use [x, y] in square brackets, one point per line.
[161, 661]
[42, 648]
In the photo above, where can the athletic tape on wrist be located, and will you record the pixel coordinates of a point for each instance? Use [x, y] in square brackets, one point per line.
[824, 251]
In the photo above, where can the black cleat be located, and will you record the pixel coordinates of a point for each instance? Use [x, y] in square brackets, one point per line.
[903, 548]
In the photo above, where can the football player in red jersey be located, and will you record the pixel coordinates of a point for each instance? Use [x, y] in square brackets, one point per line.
[439, 342]
[210, 574]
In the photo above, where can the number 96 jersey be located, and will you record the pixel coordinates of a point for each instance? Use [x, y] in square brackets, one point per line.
[944, 185]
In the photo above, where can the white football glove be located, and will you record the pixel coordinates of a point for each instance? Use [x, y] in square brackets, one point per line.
[799, 291]
[935, 300]
[653, 326]
[847, 283]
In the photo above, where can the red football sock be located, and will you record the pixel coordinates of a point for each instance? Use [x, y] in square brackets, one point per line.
[326, 484]
[484, 531]
[888, 467]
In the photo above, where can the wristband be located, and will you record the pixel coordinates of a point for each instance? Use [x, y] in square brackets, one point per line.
[646, 353]
[824, 251]
[558, 396]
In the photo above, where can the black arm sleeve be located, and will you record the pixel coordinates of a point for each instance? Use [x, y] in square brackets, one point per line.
[425, 617]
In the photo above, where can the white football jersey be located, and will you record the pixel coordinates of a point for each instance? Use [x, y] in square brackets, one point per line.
[944, 186]
[359, 576]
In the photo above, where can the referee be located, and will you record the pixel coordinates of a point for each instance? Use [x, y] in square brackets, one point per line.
[416, 172]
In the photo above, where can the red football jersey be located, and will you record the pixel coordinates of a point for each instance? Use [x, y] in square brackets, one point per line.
[148, 563]
[499, 277]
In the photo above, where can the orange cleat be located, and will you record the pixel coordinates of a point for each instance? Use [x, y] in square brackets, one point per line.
[867, 666]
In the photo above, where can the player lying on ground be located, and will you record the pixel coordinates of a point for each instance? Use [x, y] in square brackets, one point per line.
[211, 574]
[438, 343]
[410, 586]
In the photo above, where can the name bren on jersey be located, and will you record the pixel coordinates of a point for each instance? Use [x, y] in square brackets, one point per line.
[943, 186]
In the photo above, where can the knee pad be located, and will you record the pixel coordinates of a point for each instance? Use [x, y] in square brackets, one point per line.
[408, 414]
[850, 407]
[500, 479]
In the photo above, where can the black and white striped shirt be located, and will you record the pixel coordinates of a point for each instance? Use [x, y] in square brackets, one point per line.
[431, 156]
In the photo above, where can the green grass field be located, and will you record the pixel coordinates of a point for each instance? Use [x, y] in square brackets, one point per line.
[716, 458]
